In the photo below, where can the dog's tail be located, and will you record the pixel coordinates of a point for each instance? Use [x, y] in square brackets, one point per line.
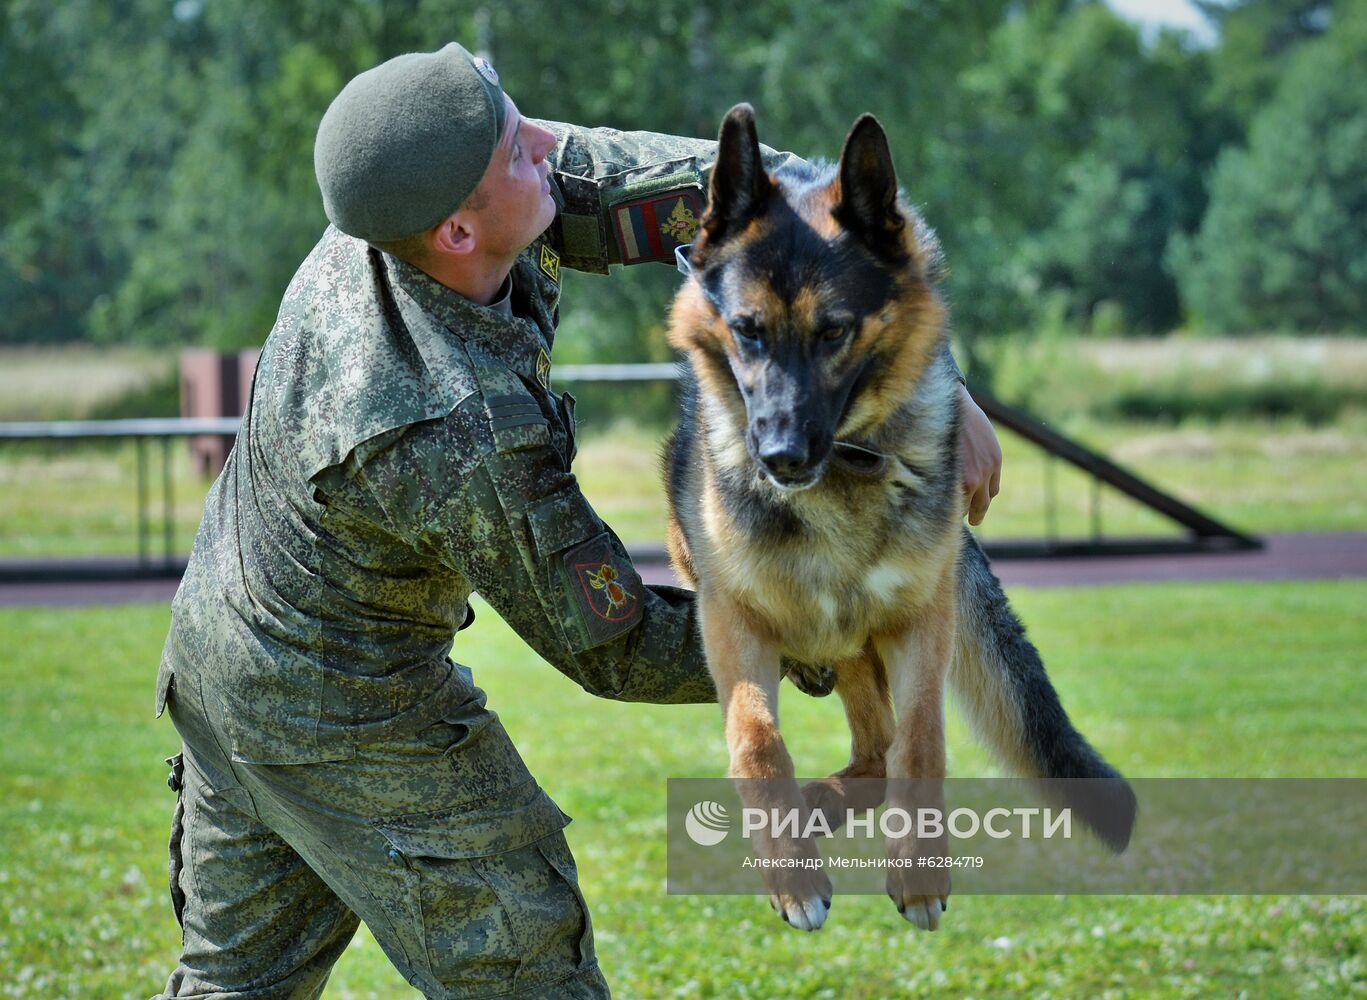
[999, 680]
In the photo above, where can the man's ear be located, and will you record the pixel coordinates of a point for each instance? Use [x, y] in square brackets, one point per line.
[454, 235]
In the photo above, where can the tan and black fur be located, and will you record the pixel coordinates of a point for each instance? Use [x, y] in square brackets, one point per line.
[816, 504]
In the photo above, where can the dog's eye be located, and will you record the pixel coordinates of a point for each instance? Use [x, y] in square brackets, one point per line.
[835, 333]
[745, 329]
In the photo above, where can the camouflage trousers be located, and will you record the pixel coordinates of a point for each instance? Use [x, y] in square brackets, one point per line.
[274, 866]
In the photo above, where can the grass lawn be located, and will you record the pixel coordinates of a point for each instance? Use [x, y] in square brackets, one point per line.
[82, 499]
[1190, 680]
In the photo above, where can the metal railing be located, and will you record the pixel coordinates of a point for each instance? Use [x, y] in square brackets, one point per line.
[1204, 533]
[140, 432]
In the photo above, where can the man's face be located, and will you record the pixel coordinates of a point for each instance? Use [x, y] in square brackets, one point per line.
[515, 193]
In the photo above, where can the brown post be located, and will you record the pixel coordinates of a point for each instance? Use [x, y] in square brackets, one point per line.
[214, 385]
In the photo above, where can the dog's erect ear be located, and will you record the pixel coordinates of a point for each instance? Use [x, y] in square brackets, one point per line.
[866, 204]
[740, 188]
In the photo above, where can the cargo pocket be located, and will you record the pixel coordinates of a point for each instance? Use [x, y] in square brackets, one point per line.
[176, 781]
[492, 910]
[598, 592]
[578, 935]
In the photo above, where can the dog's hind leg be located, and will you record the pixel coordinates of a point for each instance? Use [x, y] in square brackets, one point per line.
[745, 667]
[917, 661]
[862, 684]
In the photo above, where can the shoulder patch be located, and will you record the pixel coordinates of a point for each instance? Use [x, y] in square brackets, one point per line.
[606, 588]
[550, 262]
[648, 229]
[543, 368]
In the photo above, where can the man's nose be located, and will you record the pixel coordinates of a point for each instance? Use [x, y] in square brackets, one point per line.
[542, 143]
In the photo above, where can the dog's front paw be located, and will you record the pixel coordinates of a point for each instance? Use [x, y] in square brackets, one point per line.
[799, 890]
[801, 897]
[806, 914]
[919, 887]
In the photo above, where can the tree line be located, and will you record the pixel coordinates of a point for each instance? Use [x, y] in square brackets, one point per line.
[158, 179]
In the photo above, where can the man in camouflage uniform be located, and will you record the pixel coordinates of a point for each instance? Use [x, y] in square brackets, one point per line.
[403, 447]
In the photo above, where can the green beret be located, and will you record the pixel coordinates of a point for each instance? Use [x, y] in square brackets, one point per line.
[404, 144]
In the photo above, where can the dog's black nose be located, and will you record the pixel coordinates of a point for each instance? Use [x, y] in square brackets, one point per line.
[784, 460]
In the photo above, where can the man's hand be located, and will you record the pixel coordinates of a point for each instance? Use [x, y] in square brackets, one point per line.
[980, 456]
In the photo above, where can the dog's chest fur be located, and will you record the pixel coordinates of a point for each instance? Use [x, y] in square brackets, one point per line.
[824, 569]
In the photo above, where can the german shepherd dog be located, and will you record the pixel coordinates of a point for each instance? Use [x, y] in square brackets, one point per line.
[816, 506]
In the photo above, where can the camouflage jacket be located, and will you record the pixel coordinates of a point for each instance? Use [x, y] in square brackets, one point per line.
[403, 447]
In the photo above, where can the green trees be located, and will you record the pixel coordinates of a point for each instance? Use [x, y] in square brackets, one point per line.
[169, 149]
[158, 183]
[37, 112]
[1283, 245]
[1081, 151]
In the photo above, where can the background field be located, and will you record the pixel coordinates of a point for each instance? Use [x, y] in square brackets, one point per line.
[1267, 433]
[1200, 680]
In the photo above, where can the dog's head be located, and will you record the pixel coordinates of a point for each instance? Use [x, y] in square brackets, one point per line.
[811, 312]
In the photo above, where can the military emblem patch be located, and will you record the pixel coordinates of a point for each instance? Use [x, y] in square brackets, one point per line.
[604, 594]
[649, 229]
[604, 578]
[543, 368]
[607, 589]
[550, 262]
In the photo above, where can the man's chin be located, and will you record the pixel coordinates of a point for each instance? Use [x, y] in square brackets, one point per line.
[547, 216]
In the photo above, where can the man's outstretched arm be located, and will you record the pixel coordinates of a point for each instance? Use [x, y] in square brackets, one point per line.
[630, 197]
[519, 529]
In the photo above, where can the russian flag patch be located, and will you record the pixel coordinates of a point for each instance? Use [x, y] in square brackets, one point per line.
[648, 229]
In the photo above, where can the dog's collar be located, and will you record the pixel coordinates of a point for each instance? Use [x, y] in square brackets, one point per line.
[859, 460]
